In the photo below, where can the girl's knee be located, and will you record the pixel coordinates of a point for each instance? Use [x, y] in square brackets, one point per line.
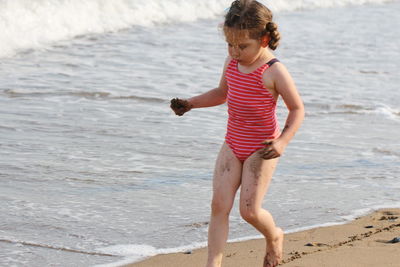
[249, 214]
[220, 206]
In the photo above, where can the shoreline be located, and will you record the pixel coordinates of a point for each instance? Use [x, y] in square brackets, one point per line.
[363, 241]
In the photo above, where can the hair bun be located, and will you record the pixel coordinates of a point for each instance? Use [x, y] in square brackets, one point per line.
[272, 29]
[237, 3]
[271, 26]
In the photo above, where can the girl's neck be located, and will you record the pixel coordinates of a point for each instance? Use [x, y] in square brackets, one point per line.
[263, 58]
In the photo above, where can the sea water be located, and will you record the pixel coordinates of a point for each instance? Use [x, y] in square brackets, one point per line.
[96, 169]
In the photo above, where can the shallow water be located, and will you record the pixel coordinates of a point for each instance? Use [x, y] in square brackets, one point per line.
[93, 160]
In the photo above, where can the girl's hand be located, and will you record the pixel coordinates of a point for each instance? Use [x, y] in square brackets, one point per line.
[180, 106]
[273, 149]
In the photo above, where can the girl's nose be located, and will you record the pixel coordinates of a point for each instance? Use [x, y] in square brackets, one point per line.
[235, 52]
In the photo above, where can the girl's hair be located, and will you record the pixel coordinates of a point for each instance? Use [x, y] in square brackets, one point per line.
[251, 19]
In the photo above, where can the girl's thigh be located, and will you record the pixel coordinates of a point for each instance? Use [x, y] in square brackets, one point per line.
[227, 176]
[256, 177]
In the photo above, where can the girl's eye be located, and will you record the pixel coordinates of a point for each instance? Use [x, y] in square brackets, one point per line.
[241, 47]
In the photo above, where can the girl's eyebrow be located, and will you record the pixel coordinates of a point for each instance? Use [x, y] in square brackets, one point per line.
[247, 42]
[239, 44]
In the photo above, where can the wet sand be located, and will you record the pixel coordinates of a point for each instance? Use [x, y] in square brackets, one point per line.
[366, 241]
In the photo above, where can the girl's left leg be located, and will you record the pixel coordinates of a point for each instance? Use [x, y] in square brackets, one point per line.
[256, 177]
[226, 182]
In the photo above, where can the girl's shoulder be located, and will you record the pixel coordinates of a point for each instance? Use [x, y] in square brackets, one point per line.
[276, 77]
[276, 71]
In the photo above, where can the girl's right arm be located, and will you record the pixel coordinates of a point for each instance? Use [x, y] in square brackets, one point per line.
[214, 97]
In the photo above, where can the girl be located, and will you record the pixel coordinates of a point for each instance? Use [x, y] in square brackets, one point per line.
[251, 83]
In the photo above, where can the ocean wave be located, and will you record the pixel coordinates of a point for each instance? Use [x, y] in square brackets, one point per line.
[33, 24]
[48, 246]
[386, 152]
[135, 252]
[387, 111]
[378, 110]
[292, 5]
[14, 93]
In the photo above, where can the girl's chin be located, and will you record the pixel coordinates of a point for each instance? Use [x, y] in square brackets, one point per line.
[242, 62]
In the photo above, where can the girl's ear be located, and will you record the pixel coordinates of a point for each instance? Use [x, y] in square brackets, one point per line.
[265, 40]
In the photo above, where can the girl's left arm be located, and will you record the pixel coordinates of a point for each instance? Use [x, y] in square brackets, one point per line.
[286, 88]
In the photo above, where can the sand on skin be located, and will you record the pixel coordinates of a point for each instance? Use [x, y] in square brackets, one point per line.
[348, 245]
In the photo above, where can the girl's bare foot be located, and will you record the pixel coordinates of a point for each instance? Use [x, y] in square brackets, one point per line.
[274, 250]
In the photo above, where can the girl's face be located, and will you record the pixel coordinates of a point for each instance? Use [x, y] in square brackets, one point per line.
[246, 51]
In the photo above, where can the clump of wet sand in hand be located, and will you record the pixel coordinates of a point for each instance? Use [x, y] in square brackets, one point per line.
[180, 106]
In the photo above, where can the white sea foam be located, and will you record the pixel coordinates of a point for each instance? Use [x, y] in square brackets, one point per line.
[32, 24]
[380, 110]
[387, 111]
[135, 253]
[290, 5]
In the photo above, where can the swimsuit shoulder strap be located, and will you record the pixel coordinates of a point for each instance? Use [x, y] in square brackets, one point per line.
[267, 65]
[272, 61]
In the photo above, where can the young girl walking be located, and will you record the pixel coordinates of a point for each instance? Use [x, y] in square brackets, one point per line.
[251, 83]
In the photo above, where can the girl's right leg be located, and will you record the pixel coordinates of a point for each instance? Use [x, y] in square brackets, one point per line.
[227, 178]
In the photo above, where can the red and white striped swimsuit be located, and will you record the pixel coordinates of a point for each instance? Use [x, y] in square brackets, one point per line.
[252, 111]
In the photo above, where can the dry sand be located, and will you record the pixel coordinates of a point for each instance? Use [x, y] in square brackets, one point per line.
[363, 242]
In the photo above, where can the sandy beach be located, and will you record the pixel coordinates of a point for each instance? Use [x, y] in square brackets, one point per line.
[366, 241]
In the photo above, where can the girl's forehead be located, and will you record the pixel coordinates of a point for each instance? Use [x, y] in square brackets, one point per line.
[239, 41]
[236, 37]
